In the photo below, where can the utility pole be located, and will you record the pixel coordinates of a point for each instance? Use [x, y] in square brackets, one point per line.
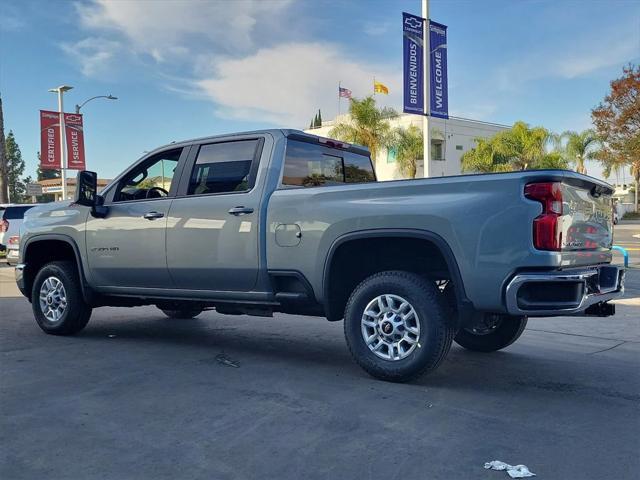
[4, 168]
[426, 58]
[63, 138]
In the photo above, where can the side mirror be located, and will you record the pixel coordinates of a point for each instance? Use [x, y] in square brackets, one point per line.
[86, 188]
[86, 193]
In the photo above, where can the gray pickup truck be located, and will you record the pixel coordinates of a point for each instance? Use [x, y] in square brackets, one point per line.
[282, 221]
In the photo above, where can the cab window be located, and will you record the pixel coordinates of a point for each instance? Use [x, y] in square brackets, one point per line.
[151, 179]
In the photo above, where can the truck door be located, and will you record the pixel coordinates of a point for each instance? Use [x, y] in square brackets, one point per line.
[212, 227]
[127, 247]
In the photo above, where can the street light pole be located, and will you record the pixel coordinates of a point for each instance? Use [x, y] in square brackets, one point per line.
[63, 137]
[426, 58]
[108, 97]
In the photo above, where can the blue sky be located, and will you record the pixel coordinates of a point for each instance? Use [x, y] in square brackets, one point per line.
[187, 69]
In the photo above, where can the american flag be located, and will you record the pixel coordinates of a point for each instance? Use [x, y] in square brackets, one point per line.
[344, 92]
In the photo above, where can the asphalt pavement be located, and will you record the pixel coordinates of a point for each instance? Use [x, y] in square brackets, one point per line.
[139, 396]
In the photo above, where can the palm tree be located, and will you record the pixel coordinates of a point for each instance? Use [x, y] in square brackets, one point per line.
[518, 148]
[409, 146]
[367, 125]
[581, 147]
[521, 145]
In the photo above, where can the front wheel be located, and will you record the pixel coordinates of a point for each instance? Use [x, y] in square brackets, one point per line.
[56, 299]
[491, 333]
[396, 326]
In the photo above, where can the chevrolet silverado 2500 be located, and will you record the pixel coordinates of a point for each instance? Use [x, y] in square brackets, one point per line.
[283, 221]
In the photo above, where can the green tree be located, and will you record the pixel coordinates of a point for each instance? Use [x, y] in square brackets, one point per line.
[409, 145]
[319, 119]
[15, 169]
[518, 148]
[522, 145]
[4, 181]
[580, 147]
[367, 125]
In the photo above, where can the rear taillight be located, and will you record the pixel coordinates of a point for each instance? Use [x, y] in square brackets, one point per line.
[4, 226]
[14, 240]
[547, 234]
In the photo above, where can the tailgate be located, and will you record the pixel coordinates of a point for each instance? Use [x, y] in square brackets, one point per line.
[587, 217]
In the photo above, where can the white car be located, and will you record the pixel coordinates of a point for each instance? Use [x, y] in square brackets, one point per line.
[13, 250]
[11, 217]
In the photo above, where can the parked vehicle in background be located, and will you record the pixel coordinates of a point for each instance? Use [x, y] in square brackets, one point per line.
[13, 249]
[11, 218]
[283, 221]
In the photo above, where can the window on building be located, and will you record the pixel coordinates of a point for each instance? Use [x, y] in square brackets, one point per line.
[312, 165]
[459, 147]
[437, 150]
[392, 154]
[224, 167]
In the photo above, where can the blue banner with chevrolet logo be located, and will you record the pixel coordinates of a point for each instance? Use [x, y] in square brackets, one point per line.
[413, 68]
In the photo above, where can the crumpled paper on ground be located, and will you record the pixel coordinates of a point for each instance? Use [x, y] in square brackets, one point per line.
[514, 471]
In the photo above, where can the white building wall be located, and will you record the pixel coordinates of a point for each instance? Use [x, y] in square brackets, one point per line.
[456, 134]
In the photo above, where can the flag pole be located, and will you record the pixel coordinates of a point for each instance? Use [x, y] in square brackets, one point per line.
[426, 58]
[339, 92]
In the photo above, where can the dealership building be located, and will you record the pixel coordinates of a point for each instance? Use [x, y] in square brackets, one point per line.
[450, 138]
[53, 187]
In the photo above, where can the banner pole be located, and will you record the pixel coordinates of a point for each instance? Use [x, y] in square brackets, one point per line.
[63, 138]
[426, 59]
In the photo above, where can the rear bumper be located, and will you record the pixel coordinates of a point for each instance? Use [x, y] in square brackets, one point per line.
[569, 292]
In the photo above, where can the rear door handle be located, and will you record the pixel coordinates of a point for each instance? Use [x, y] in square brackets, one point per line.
[237, 211]
[153, 215]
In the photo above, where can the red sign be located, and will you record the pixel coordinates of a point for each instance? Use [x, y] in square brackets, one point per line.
[49, 140]
[75, 141]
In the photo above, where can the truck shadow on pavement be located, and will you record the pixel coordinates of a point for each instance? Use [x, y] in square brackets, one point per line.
[318, 348]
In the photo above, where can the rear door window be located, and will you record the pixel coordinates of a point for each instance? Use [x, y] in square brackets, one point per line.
[313, 165]
[225, 167]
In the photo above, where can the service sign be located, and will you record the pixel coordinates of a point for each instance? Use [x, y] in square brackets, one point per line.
[75, 141]
[413, 69]
[50, 140]
[439, 99]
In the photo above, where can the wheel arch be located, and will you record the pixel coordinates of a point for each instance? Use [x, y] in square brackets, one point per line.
[33, 249]
[439, 245]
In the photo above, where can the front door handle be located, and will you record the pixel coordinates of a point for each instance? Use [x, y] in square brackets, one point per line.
[237, 211]
[153, 215]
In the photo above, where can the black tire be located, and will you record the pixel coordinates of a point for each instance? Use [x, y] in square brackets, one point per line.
[77, 312]
[507, 331]
[436, 330]
[183, 313]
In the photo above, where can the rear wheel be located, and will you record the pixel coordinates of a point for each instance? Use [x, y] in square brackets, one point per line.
[396, 326]
[491, 333]
[56, 299]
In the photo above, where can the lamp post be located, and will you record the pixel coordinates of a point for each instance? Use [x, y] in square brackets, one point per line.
[63, 136]
[108, 97]
[426, 134]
